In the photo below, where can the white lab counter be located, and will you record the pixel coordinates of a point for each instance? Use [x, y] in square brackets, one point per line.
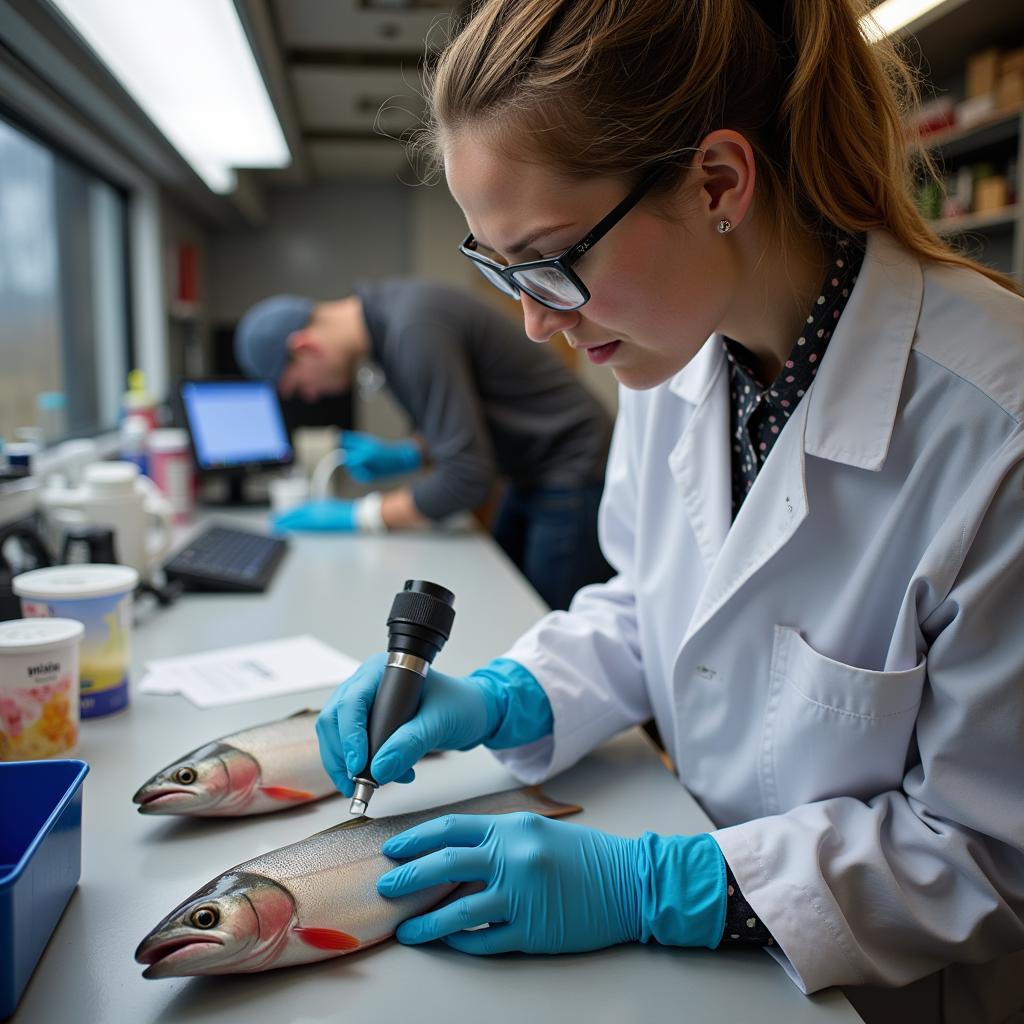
[135, 869]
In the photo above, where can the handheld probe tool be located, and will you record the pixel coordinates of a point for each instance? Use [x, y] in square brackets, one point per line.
[419, 625]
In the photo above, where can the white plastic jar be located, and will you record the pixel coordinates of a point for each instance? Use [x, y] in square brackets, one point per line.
[100, 597]
[38, 688]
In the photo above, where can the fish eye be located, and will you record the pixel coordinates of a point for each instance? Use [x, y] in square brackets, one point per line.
[205, 917]
[186, 775]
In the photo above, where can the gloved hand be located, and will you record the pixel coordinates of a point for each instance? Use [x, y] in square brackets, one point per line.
[554, 887]
[501, 705]
[368, 458]
[327, 515]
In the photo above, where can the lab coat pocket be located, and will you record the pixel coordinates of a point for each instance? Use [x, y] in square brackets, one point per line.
[833, 729]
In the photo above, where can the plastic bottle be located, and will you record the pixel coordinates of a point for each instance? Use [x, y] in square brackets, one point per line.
[135, 430]
[137, 401]
[170, 466]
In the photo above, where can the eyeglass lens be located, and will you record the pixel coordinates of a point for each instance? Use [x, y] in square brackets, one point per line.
[497, 280]
[551, 286]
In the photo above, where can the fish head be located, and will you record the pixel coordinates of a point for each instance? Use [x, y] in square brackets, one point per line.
[237, 923]
[214, 779]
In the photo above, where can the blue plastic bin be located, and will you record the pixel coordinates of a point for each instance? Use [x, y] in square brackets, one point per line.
[40, 861]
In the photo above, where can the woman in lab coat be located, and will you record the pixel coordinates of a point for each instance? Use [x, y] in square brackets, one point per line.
[814, 505]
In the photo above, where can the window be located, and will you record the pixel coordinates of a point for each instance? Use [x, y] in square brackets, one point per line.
[64, 305]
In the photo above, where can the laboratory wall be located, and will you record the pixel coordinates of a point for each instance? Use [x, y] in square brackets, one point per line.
[317, 240]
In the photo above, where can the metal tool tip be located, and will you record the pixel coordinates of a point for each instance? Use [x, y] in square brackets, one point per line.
[361, 795]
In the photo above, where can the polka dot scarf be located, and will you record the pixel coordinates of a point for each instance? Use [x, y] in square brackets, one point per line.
[759, 414]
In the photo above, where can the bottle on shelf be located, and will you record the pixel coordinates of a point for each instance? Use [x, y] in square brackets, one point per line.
[138, 401]
[133, 443]
[170, 467]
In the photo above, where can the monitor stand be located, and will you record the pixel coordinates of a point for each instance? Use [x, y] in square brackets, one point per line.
[232, 492]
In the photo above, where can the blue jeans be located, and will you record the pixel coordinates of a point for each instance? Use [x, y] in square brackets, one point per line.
[551, 535]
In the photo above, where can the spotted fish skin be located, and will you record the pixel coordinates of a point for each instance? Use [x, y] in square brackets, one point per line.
[254, 771]
[312, 900]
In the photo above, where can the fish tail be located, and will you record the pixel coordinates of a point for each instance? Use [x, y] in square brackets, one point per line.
[526, 798]
[548, 806]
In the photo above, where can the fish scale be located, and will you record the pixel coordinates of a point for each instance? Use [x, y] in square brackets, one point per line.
[288, 749]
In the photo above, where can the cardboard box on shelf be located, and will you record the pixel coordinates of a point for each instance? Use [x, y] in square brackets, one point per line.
[1012, 60]
[991, 194]
[1010, 90]
[1010, 83]
[983, 71]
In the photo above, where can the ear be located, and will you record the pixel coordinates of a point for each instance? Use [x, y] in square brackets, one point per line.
[727, 177]
[302, 342]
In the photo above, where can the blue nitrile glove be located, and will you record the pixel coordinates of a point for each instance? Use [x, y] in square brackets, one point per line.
[368, 458]
[327, 515]
[554, 887]
[501, 705]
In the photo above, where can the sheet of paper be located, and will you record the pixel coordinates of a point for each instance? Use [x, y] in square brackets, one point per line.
[250, 672]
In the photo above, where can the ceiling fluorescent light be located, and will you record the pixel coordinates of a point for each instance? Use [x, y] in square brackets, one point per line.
[892, 15]
[188, 65]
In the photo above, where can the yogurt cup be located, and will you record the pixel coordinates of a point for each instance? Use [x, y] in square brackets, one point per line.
[38, 688]
[100, 597]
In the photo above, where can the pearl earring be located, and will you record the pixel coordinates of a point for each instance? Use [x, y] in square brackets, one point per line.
[724, 227]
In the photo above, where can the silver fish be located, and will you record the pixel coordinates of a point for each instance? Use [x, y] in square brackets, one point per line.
[310, 901]
[266, 768]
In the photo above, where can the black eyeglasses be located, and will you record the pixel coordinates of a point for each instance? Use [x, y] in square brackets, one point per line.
[553, 282]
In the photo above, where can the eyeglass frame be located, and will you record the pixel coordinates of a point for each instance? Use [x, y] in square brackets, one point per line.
[565, 260]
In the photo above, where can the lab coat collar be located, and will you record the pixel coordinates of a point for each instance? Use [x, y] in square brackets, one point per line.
[853, 402]
[692, 382]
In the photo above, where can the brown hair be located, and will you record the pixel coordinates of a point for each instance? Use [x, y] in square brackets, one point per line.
[611, 87]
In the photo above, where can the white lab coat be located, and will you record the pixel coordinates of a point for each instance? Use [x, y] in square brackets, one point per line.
[838, 675]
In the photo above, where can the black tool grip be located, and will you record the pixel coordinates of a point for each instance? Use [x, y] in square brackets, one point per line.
[397, 700]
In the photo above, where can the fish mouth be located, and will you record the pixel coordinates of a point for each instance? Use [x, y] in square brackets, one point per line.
[166, 958]
[163, 801]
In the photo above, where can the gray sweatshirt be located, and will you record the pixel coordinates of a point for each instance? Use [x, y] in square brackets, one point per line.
[488, 401]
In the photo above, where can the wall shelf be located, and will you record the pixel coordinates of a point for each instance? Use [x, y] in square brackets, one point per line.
[1000, 127]
[941, 45]
[1004, 218]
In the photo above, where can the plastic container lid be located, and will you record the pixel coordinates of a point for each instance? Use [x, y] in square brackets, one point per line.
[29, 636]
[168, 439]
[66, 582]
[112, 476]
[23, 448]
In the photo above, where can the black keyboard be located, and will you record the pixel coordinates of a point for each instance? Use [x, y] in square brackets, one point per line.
[225, 558]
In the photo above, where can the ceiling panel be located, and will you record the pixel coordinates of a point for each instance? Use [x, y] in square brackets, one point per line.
[347, 78]
[359, 25]
[356, 99]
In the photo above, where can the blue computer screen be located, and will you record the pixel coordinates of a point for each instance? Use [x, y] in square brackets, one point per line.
[234, 423]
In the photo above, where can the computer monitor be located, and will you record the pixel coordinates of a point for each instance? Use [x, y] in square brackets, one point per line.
[236, 426]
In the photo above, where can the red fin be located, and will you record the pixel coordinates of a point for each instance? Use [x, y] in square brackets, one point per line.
[327, 938]
[284, 793]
